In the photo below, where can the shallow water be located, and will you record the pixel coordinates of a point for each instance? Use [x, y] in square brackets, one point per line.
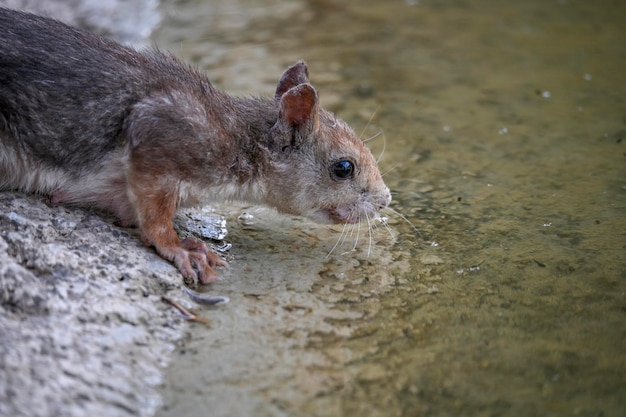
[503, 127]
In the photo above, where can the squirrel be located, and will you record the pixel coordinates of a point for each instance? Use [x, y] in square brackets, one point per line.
[90, 122]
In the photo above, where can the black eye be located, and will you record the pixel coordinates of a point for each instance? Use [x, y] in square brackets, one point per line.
[343, 169]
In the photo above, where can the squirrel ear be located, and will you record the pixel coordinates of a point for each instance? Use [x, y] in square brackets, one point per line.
[299, 105]
[293, 76]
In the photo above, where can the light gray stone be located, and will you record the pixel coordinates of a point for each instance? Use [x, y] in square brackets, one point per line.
[83, 328]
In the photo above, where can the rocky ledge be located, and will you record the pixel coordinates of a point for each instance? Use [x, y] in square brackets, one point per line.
[83, 328]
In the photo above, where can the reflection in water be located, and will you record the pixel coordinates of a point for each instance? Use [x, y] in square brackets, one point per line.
[504, 140]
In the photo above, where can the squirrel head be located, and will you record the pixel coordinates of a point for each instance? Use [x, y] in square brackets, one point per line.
[319, 168]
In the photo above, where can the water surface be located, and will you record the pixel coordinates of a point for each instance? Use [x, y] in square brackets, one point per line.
[503, 127]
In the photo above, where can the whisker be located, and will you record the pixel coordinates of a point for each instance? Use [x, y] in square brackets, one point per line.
[351, 233]
[369, 122]
[347, 235]
[358, 233]
[383, 221]
[369, 229]
[372, 222]
[380, 132]
[389, 170]
[348, 230]
[380, 157]
[339, 240]
[397, 213]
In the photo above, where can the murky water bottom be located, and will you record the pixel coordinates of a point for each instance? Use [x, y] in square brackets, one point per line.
[504, 135]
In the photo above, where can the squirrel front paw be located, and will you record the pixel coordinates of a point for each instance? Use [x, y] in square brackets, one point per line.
[194, 260]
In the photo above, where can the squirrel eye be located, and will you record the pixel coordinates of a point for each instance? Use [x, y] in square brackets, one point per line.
[343, 169]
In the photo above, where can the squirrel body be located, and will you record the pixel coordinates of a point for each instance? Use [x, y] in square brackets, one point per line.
[91, 122]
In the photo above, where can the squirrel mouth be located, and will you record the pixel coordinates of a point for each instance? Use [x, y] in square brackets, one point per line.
[364, 209]
[328, 216]
[342, 215]
[348, 213]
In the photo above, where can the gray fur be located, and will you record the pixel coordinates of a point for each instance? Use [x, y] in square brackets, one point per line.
[67, 98]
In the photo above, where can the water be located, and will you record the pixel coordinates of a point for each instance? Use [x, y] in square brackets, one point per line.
[504, 133]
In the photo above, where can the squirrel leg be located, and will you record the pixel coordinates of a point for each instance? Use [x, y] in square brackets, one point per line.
[156, 203]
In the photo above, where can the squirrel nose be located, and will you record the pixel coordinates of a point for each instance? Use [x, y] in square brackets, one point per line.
[385, 199]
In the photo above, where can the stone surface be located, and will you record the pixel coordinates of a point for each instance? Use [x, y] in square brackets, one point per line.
[84, 330]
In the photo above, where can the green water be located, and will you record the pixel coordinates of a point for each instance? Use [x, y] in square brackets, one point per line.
[503, 126]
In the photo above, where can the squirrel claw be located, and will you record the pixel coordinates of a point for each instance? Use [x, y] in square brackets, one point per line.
[194, 260]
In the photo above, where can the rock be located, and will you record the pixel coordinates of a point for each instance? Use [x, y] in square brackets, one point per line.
[84, 331]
